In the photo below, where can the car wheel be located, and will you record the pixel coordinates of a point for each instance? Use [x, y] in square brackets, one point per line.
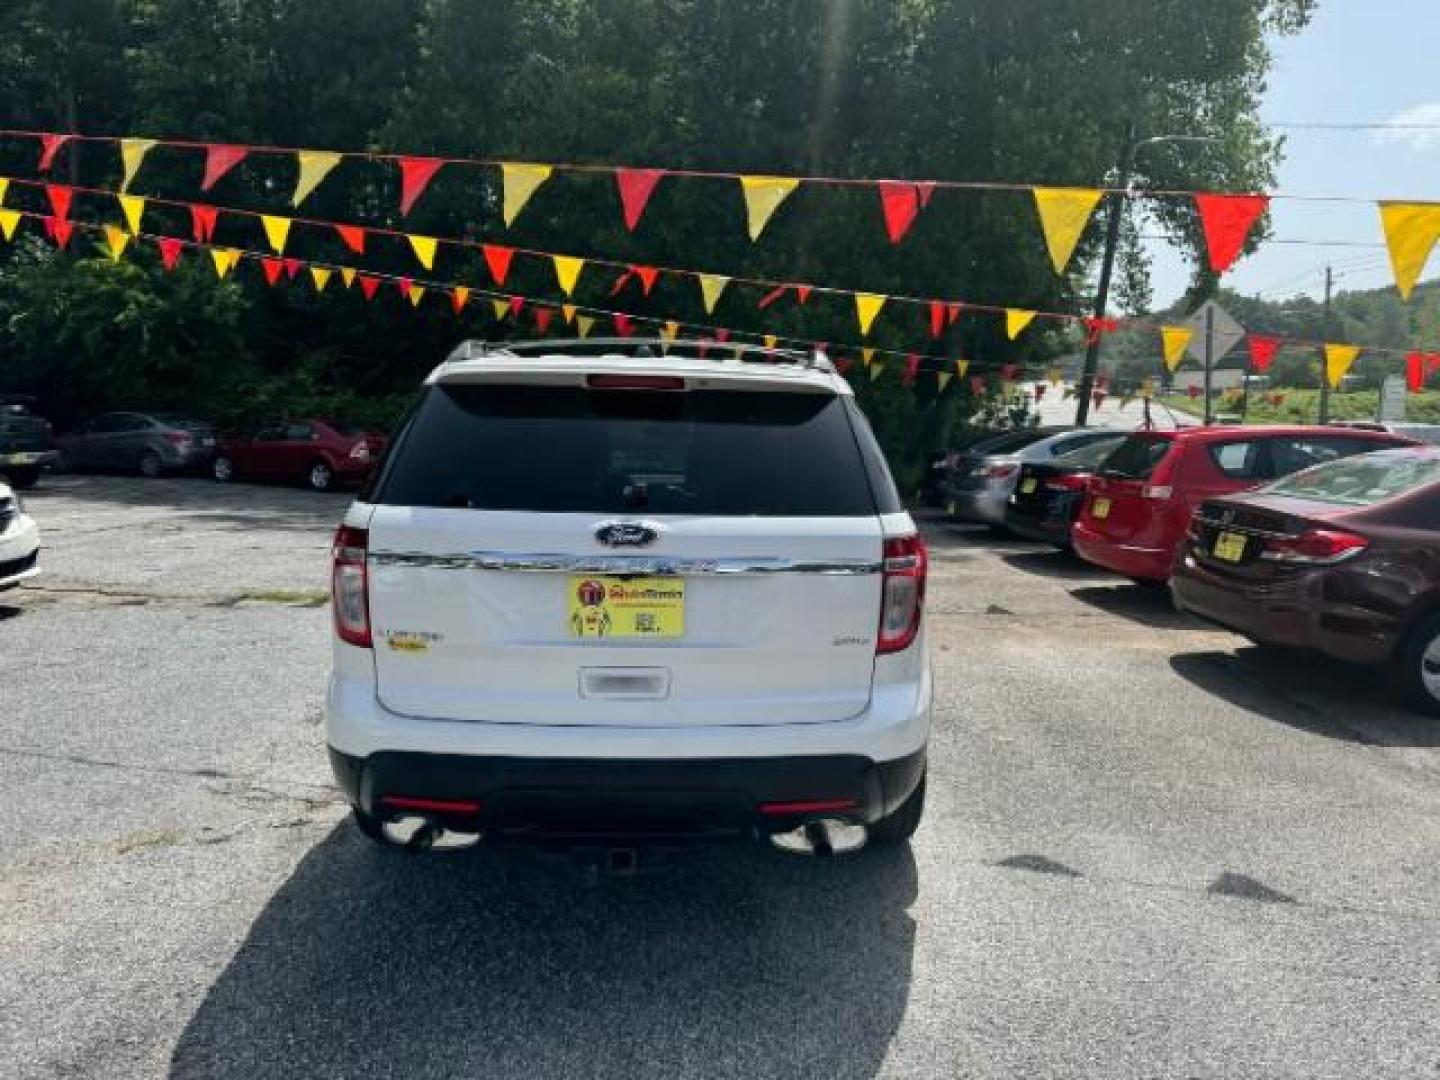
[900, 825]
[1418, 664]
[320, 477]
[24, 479]
[370, 826]
[150, 465]
[222, 469]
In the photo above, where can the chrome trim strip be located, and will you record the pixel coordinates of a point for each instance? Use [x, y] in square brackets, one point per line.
[625, 564]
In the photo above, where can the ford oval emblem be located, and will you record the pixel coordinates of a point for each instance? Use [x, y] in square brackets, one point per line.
[626, 534]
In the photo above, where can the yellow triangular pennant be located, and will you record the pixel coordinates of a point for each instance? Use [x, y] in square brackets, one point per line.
[502, 308]
[1411, 231]
[133, 207]
[876, 370]
[320, 275]
[416, 293]
[1056, 376]
[314, 166]
[867, 356]
[277, 231]
[132, 153]
[347, 276]
[424, 248]
[1147, 388]
[1016, 320]
[867, 306]
[116, 240]
[1064, 213]
[961, 367]
[711, 286]
[585, 324]
[9, 219]
[771, 341]
[225, 260]
[1338, 361]
[943, 378]
[521, 181]
[670, 331]
[1175, 339]
[763, 196]
[459, 297]
[568, 311]
[4, 187]
[567, 272]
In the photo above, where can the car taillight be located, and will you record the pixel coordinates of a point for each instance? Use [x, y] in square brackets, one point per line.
[360, 452]
[177, 438]
[999, 472]
[1068, 482]
[902, 599]
[1156, 491]
[348, 586]
[1317, 547]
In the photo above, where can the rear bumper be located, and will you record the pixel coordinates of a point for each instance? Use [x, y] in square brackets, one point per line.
[1146, 563]
[1048, 530]
[579, 800]
[982, 504]
[1291, 613]
[19, 552]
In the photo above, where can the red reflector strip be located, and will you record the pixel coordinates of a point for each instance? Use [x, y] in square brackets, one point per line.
[435, 806]
[779, 808]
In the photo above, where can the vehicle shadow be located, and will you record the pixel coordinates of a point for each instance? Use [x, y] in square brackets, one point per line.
[1310, 692]
[1057, 563]
[241, 504]
[941, 532]
[734, 963]
[1147, 605]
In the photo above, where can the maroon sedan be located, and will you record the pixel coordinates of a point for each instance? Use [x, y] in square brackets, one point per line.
[1343, 558]
[318, 453]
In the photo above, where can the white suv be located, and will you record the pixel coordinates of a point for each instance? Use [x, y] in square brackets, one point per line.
[19, 541]
[600, 594]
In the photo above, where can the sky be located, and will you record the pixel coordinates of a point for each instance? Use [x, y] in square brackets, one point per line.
[1360, 61]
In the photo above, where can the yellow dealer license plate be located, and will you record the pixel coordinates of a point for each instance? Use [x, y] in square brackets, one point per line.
[652, 608]
[1029, 486]
[1230, 547]
[1101, 509]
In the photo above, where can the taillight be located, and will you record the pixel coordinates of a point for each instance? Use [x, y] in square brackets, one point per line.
[360, 452]
[1318, 547]
[902, 599]
[1068, 482]
[177, 438]
[1000, 472]
[348, 586]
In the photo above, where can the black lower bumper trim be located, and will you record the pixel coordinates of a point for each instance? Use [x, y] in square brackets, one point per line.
[575, 799]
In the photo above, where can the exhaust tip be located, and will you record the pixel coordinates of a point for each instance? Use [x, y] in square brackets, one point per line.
[822, 837]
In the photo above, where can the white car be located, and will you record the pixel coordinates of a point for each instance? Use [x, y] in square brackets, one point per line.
[19, 541]
[601, 595]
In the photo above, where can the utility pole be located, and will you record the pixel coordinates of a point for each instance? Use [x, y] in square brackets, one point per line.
[1209, 364]
[1325, 333]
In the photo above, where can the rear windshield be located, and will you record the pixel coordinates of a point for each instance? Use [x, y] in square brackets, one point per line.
[564, 449]
[1136, 457]
[1089, 456]
[1010, 442]
[1361, 481]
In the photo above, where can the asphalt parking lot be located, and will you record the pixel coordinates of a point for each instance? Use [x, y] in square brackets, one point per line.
[1150, 851]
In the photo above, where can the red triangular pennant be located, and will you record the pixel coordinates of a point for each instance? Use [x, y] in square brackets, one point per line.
[50, 146]
[60, 198]
[952, 313]
[218, 161]
[1262, 352]
[415, 176]
[202, 222]
[912, 369]
[925, 190]
[402, 286]
[937, 318]
[1097, 328]
[648, 275]
[353, 237]
[1040, 389]
[293, 268]
[498, 260]
[517, 305]
[1008, 372]
[59, 231]
[622, 281]
[272, 269]
[770, 297]
[543, 315]
[1193, 391]
[636, 187]
[623, 326]
[900, 202]
[722, 335]
[1227, 221]
[1432, 364]
[802, 293]
[1415, 372]
[977, 384]
[169, 251]
[369, 285]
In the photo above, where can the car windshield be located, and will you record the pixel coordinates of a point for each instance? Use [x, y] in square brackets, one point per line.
[1361, 481]
[1137, 456]
[1010, 442]
[1089, 457]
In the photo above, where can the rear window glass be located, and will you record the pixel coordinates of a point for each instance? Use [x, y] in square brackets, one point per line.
[1136, 457]
[1088, 456]
[1237, 460]
[1011, 441]
[568, 449]
[1290, 454]
[1361, 481]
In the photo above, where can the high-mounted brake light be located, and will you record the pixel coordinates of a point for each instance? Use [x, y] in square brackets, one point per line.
[349, 586]
[1317, 547]
[634, 382]
[902, 599]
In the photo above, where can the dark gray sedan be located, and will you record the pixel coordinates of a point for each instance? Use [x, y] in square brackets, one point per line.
[148, 443]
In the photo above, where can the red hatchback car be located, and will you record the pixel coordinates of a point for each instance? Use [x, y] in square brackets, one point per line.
[318, 453]
[1140, 502]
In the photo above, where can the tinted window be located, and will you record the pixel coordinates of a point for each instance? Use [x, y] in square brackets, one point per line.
[1088, 457]
[1362, 481]
[1293, 453]
[572, 450]
[1076, 442]
[297, 432]
[270, 434]
[1137, 456]
[1237, 460]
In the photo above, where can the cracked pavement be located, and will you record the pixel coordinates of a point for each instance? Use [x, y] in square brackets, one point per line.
[1150, 850]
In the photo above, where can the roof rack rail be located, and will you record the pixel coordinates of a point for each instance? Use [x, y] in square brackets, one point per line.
[696, 349]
